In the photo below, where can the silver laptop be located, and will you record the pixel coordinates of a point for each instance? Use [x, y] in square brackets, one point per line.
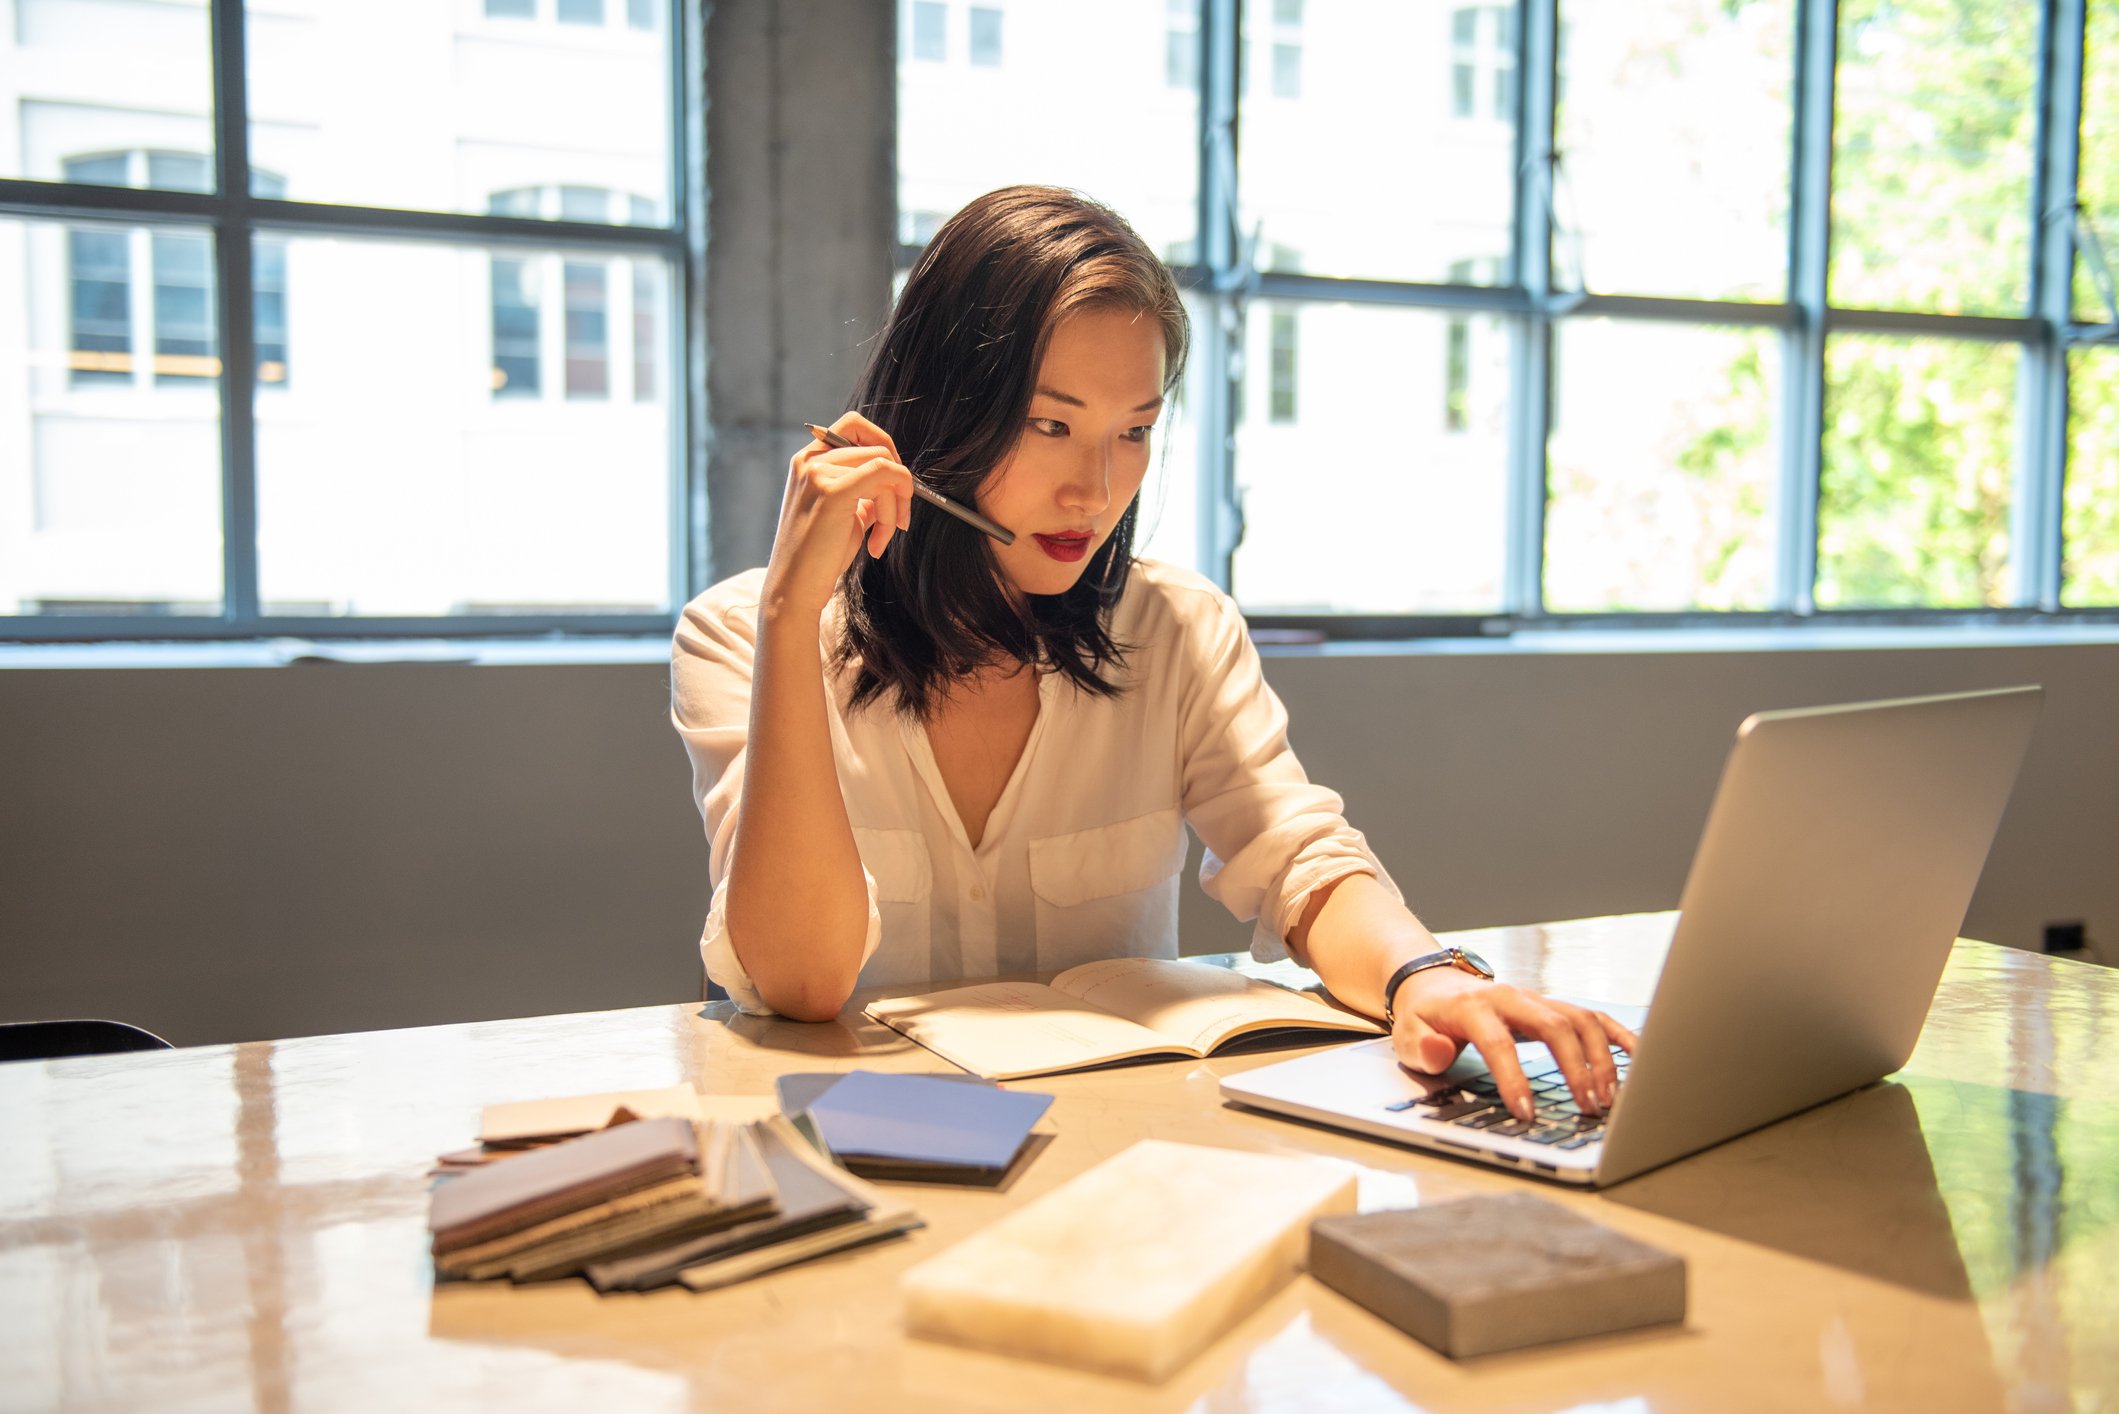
[1833, 873]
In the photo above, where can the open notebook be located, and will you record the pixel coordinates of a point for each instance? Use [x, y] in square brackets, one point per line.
[1119, 1009]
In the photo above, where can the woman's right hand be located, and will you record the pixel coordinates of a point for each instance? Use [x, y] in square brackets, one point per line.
[836, 497]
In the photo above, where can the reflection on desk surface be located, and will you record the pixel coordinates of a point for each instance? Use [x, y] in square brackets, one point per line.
[244, 1227]
[1848, 1183]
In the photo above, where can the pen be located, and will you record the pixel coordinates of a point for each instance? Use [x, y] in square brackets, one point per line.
[926, 493]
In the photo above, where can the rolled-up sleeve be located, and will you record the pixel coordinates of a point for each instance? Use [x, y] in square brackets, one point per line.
[1273, 837]
[712, 659]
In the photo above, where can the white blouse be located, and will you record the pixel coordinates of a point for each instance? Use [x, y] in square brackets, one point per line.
[1080, 857]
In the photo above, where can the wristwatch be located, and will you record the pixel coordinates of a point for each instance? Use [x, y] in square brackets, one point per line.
[1449, 957]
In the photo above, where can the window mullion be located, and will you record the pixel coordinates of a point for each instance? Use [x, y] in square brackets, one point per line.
[684, 299]
[237, 341]
[2036, 549]
[1220, 519]
[1530, 391]
[1803, 347]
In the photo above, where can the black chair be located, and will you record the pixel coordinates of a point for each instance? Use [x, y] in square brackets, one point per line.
[50, 1040]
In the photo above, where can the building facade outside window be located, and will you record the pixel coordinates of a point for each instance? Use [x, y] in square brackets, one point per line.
[603, 339]
[1287, 48]
[1181, 44]
[632, 14]
[1458, 360]
[167, 276]
[1283, 371]
[1483, 62]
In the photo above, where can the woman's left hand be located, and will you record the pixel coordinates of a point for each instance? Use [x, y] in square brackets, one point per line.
[1441, 1009]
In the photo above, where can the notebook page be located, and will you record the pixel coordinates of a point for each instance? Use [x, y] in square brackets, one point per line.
[1004, 1030]
[1197, 1005]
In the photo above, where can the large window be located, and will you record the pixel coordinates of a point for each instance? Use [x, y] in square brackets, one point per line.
[310, 363]
[1681, 307]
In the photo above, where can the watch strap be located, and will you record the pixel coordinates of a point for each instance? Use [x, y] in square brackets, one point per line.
[1446, 957]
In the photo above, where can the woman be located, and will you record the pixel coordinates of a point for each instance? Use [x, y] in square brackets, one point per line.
[922, 755]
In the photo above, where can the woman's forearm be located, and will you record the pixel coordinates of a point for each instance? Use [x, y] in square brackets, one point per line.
[1353, 935]
[797, 903]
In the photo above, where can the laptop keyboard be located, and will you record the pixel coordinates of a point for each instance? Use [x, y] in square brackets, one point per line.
[1557, 1120]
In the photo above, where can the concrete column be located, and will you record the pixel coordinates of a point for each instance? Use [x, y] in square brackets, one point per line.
[801, 147]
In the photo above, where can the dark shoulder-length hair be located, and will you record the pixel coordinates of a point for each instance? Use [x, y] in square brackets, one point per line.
[951, 378]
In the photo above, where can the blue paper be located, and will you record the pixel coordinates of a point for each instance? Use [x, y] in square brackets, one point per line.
[925, 1119]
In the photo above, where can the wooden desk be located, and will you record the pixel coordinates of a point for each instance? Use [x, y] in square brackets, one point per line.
[243, 1227]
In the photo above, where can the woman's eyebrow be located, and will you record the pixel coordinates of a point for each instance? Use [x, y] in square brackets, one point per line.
[1071, 401]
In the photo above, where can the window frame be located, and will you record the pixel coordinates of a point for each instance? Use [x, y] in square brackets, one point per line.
[1531, 303]
[231, 217]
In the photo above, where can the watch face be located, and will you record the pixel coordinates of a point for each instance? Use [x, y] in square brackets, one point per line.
[1478, 963]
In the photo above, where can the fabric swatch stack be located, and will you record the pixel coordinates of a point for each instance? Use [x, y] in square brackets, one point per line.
[650, 1202]
[550, 1212]
[639, 1189]
[819, 1208]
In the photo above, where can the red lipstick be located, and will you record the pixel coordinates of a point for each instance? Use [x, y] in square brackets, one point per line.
[1066, 547]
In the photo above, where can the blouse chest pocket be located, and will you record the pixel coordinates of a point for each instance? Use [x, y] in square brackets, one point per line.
[1123, 858]
[899, 862]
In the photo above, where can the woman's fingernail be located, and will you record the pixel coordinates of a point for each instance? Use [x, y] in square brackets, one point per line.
[1520, 1108]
